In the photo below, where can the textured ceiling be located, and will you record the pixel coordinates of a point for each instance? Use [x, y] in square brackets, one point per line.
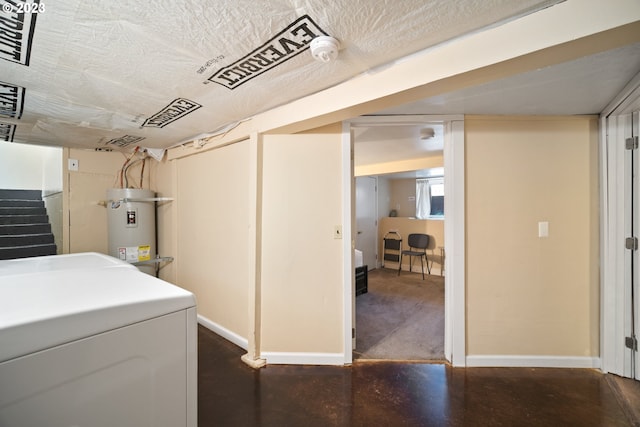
[105, 74]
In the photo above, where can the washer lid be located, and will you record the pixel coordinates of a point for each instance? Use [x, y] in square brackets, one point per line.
[57, 306]
[80, 261]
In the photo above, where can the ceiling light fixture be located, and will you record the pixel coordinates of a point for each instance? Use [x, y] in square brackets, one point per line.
[324, 48]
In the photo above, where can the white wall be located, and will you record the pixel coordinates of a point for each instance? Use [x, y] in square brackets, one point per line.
[52, 170]
[30, 167]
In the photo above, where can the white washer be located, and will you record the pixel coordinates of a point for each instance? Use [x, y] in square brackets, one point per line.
[89, 340]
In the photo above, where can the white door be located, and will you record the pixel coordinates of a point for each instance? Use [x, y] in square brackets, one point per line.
[621, 254]
[367, 220]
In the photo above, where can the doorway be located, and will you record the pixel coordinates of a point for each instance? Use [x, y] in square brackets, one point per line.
[452, 131]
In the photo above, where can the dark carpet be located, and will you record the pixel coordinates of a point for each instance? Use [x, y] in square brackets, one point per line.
[400, 317]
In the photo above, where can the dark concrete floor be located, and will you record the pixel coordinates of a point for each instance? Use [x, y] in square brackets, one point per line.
[396, 394]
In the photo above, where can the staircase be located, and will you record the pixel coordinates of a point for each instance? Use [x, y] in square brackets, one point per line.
[24, 225]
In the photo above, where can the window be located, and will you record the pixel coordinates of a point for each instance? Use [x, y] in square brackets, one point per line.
[430, 198]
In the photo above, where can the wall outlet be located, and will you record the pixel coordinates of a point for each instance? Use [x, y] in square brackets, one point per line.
[73, 165]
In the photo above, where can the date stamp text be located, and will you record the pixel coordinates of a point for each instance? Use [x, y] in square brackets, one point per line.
[21, 8]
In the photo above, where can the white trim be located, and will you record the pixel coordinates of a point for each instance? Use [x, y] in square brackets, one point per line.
[454, 242]
[192, 367]
[254, 254]
[624, 102]
[403, 120]
[507, 361]
[615, 260]
[606, 254]
[348, 244]
[294, 358]
[223, 332]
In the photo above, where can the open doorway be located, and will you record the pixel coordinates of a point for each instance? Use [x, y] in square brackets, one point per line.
[34, 175]
[401, 317]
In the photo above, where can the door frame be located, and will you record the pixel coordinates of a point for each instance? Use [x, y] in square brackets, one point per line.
[455, 281]
[615, 126]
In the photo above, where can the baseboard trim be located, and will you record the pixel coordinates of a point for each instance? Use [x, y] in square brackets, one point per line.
[502, 361]
[283, 358]
[223, 332]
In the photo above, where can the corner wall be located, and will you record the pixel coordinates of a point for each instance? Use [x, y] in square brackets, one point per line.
[261, 256]
[84, 217]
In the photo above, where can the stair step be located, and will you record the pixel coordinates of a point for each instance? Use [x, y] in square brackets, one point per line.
[25, 229]
[21, 203]
[22, 210]
[23, 219]
[25, 240]
[21, 194]
[27, 251]
[24, 225]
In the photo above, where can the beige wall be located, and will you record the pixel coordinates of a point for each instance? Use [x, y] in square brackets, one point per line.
[85, 190]
[403, 196]
[209, 230]
[528, 295]
[87, 219]
[213, 223]
[302, 263]
[525, 295]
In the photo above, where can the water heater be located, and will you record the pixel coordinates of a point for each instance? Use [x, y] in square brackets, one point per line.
[131, 215]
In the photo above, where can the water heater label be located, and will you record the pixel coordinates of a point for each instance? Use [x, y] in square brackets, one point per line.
[144, 253]
[130, 254]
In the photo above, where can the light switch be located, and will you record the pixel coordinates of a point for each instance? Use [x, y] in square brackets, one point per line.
[73, 165]
[543, 229]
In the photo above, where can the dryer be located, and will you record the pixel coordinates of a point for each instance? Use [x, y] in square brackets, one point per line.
[89, 340]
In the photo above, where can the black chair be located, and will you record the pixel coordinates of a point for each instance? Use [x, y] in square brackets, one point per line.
[418, 244]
